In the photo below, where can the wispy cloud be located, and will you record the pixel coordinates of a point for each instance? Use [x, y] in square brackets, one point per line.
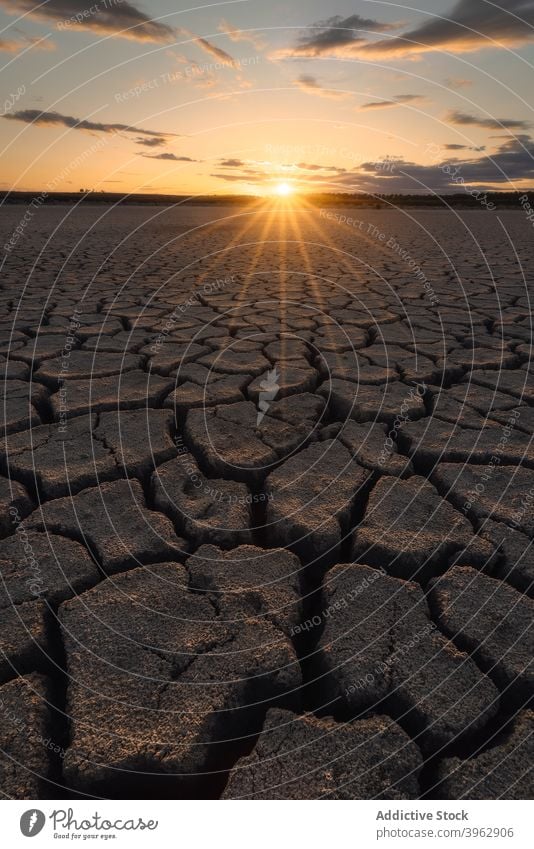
[51, 119]
[463, 119]
[311, 85]
[217, 52]
[248, 177]
[168, 157]
[235, 34]
[398, 100]
[15, 46]
[312, 166]
[457, 82]
[120, 19]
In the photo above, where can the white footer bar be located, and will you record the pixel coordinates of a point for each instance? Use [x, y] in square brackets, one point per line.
[269, 825]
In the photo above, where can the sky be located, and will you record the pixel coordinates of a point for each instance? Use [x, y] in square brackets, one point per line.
[245, 97]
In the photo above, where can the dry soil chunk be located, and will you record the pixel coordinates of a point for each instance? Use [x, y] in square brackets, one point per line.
[129, 391]
[379, 641]
[372, 403]
[19, 407]
[280, 382]
[504, 771]
[429, 442]
[504, 494]
[15, 503]
[23, 639]
[113, 521]
[410, 531]
[204, 509]
[302, 757]
[59, 459]
[23, 735]
[372, 447]
[517, 383]
[251, 363]
[492, 620]
[157, 680]
[311, 498]
[250, 582]
[216, 389]
[238, 441]
[139, 440]
[43, 565]
[81, 365]
[516, 552]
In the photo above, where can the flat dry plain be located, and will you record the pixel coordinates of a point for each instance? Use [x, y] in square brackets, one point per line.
[267, 490]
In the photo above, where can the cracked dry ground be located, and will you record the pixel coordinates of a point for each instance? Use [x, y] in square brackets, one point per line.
[330, 599]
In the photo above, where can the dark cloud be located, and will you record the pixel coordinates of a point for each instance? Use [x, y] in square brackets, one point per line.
[152, 142]
[512, 162]
[120, 19]
[469, 25]
[463, 147]
[169, 157]
[231, 163]
[463, 119]
[51, 119]
[336, 36]
[398, 100]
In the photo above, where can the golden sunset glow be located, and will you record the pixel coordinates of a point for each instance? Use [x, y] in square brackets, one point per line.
[283, 190]
[249, 107]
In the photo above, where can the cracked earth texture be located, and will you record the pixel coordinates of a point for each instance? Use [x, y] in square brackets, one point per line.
[266, 505]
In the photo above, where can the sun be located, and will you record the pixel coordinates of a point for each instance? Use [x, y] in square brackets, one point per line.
[283, 190]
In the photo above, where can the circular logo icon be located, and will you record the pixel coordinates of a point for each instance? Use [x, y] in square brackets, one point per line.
[32, 822]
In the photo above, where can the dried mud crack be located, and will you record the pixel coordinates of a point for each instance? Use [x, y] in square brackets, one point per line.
[266, 518]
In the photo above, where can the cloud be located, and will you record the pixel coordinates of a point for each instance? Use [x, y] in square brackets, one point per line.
[336, 36]
[250, 177]
[463, 147]
[235, 34]
[512, 162]
[231, 163]
[311, 85]
[307, 166]
[219, 54]
[398, 100]
[51, 119]
[463, 119]
[151, 142]
[169, 157]
[469, 25]
[457, 82]
[13, 46]
[120, 19]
